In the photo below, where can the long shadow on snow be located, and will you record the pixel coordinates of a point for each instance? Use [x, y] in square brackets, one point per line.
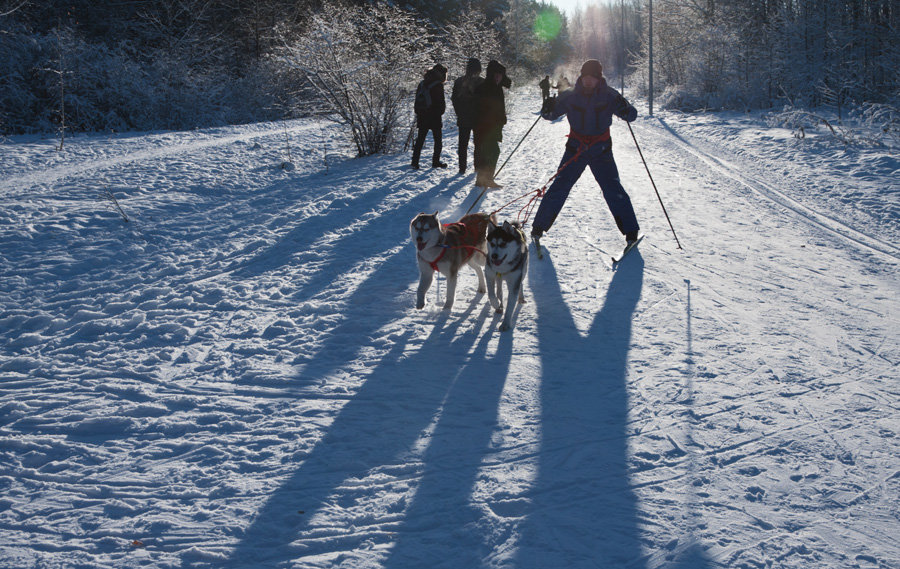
[441, 527]
[583, 512]
[378, 428]
[364, 242]
[374, 435]
[360, 232]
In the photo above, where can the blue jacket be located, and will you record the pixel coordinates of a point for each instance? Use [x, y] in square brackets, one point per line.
[591, 114]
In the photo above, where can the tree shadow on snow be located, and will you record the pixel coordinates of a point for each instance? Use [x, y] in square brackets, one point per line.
[350, 217]
[583, 512]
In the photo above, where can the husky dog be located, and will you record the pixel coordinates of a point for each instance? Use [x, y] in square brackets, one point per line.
[446, 248]
[507, 260]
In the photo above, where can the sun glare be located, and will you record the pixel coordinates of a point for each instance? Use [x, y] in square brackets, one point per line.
[547, 25]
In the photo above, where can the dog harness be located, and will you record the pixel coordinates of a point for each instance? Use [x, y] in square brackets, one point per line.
[459, 228]
[434, 264]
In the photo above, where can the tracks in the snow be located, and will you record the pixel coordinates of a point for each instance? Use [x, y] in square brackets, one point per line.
[774, 195]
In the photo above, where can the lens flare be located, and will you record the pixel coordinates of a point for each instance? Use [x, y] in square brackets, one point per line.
[547, 25]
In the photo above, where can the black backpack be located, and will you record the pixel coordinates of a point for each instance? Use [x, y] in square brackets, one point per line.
[423, 98]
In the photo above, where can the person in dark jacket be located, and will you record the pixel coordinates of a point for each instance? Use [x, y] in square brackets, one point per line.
[429, 107]
[589, 108]
[463, 99]
[545, 87]
[489, 123]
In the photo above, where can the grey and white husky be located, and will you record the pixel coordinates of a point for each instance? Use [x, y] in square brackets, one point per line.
[507, 260]
[446, 248]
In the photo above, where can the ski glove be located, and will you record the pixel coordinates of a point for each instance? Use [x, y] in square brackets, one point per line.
[625, 110]
[631, 114]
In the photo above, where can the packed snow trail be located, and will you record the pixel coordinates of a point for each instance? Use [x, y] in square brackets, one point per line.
[238, 378]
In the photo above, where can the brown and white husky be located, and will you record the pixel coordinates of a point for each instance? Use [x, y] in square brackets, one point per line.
[445, 248]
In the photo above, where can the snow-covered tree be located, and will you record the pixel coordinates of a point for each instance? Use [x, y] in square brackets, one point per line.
[753, 53]
[535, 35]
[609, 32]
[361, 64]
[470, 36]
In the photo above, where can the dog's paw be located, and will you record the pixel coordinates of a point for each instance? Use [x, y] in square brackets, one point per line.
[482, 290]
[504, 327]
[499, 310]
[420, 305]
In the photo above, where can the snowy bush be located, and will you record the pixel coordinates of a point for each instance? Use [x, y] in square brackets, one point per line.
[883, 120]
[800, 121]
[360, 64]
[118, 88]
[871, 124]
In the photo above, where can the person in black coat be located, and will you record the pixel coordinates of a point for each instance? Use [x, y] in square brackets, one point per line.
[545, 87]
[489, 123]
[429, 107]
[464, 103]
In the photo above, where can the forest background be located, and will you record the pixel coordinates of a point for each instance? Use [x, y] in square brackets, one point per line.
[114, 65]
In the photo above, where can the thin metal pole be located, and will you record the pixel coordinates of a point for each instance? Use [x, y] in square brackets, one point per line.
[518, 145]
[481, 195]
[651, 57]
[654, 185]
[478, 199]
[622, 51]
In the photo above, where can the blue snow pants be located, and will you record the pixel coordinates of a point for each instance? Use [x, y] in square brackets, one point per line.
[600, 158]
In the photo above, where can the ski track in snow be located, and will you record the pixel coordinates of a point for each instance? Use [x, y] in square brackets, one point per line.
[237, 376]
[768, 191]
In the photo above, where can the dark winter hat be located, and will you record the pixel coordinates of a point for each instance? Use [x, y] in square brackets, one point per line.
[593, 68]
[473, 67]
[495, 67]
[439, 70]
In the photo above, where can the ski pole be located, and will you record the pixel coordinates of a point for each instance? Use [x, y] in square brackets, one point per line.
[481, 195]
[478, 199]
[518, 145]
[638, 146]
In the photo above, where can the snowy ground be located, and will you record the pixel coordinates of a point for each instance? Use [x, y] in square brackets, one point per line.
[237, 377]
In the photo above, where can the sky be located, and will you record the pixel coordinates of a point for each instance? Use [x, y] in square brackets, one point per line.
[568, 6]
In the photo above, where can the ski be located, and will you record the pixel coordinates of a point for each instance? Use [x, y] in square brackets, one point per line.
[625, 251]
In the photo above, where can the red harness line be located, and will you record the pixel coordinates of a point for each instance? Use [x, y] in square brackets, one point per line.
[434, 264]
[585, 142]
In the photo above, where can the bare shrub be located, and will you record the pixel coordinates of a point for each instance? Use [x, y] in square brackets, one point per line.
[361, 64]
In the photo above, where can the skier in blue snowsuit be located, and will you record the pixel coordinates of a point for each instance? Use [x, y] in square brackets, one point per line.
[589, 108]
